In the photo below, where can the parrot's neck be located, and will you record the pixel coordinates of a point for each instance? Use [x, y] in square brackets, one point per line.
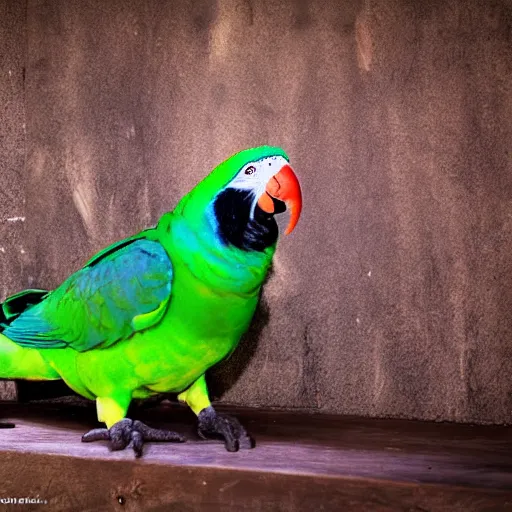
[209, 258]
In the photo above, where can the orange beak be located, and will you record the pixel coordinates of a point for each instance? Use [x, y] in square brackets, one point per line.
[283, 186]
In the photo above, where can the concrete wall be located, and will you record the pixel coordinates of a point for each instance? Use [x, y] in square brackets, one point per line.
[13, 42]
[394, 295]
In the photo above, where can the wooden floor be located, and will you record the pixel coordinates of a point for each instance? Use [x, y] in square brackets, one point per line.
[301, 462]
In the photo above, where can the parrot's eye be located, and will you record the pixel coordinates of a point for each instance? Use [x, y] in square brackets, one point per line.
[250, 170]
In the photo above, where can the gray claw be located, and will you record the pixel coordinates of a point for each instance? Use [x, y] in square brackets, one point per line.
[133, 434]
[227, 428]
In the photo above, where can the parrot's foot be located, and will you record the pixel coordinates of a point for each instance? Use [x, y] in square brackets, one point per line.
[213, 425]
[7, 425]
[129, 433]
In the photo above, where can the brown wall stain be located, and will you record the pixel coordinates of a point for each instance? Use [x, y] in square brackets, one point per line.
[394, 295]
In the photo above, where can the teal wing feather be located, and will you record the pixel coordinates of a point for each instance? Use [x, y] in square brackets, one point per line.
[14, 305]
[125, 289]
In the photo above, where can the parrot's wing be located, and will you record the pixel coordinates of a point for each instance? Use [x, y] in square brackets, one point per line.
[123, 290]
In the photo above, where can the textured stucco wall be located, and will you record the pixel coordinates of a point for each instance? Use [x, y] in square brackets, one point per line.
[394, 296]
[12, 151]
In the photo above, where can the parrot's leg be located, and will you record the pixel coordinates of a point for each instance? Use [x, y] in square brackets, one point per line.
[210, 423]
[123, 432]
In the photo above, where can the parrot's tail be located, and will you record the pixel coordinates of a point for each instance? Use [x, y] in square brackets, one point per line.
[17, 362]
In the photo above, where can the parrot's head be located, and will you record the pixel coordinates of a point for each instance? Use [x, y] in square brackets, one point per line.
[241, 196]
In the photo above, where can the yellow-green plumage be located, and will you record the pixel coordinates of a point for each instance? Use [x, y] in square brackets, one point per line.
[149, 314]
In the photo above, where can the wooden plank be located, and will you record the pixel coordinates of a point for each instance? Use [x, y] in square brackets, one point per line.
[301, 462]
[88, 484]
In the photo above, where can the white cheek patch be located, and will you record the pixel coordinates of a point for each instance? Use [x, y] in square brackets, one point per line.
[256, 182]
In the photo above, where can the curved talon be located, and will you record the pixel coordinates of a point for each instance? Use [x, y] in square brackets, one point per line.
[7, 425]
[132, 434]
[136, 443]
[226, 427]
[96, 434]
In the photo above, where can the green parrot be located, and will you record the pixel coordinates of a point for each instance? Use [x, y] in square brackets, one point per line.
[151, 313]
